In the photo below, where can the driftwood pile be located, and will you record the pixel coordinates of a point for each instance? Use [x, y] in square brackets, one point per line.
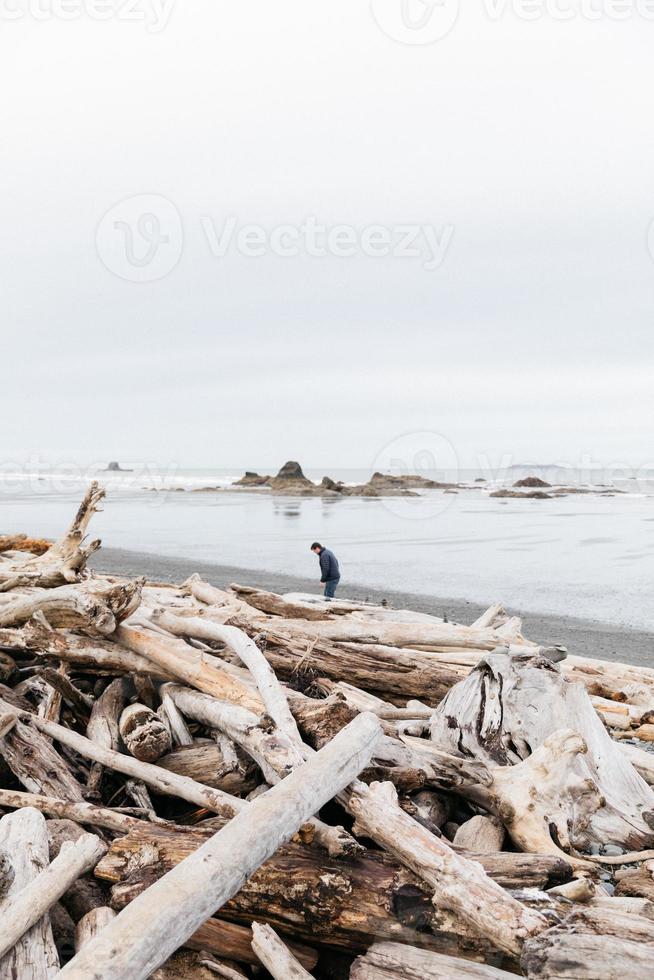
[199, 782]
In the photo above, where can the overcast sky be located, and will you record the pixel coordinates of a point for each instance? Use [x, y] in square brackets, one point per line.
[154, 330]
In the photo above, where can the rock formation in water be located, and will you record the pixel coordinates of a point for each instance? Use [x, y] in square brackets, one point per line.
[532, 481]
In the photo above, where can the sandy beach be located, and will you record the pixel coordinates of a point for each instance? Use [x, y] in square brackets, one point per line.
[582, 637]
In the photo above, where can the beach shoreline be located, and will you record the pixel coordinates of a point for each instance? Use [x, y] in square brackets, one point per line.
[582, 637]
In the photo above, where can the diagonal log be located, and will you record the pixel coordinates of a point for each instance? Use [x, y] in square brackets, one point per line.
[275, 955]
[458, 884]
[156, 923]
[178, 659]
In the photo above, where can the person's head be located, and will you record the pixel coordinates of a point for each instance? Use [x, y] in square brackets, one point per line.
[316, 547]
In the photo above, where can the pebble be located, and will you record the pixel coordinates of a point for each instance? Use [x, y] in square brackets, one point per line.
[608, 887]
[594, 849]
[613, 850]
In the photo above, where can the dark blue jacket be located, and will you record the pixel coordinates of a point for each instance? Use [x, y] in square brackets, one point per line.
[329, 569]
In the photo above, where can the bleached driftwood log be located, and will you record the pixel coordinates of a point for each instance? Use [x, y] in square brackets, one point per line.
[34, 761]
[161, 780]
[275, 955]
[458, 884]
[392, 961]
[91, 924]
[22, 910]
[248, 652]
[179, 660]
[148, 931]
[215, 763]
[80, 812]
[24, 840]
[102, 727]
[593, 944]
[144, 734]
[65, 560]
[506, 709]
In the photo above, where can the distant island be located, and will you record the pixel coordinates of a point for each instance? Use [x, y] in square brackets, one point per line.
[115, 467]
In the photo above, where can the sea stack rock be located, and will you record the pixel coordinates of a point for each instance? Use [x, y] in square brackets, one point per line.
[291, 479]
[291, 471]
[252, 480]
[532, 481]
[115, 467]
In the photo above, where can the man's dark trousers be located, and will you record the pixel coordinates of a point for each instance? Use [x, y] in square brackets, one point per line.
[330, 587]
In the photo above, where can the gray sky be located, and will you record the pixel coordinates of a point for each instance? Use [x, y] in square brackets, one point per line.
[526, 147]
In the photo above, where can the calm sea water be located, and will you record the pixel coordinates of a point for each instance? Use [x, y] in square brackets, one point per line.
[587, 556]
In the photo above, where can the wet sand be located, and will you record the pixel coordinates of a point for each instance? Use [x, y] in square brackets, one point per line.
[582, 637]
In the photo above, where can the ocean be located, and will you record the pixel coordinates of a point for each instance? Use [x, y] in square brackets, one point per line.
[589, 556]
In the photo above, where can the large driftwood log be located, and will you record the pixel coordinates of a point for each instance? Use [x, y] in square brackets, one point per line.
[214, 763]
[65, 607]
[24, 909]
[593, 944]
[344, 904]
[275, 955]
[178, 659]
[149, 930]
[24, 839]
[507, 708]
[35, 762]
[65, 560]
[458, 884]
[392, 961]
[401, 673]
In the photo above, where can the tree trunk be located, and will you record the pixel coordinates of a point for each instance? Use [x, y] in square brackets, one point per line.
[207, 762]
[345, 904]
[34, 761]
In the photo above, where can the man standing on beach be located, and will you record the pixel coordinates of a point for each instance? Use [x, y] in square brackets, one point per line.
[330, 573]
